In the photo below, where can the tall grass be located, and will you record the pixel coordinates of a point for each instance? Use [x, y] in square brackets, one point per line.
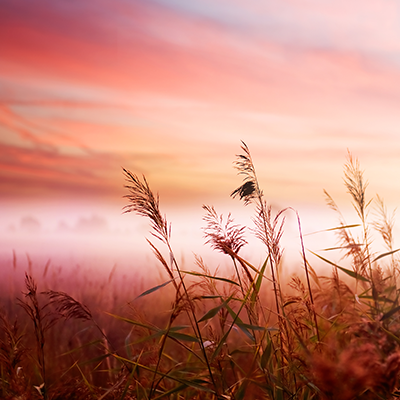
[222, 337]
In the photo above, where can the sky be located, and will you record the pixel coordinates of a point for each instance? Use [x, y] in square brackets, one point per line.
[168, 89]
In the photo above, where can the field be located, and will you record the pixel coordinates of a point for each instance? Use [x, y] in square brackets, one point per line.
[248, 334]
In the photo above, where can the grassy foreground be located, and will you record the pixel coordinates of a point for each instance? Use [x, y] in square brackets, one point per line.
[200, 335]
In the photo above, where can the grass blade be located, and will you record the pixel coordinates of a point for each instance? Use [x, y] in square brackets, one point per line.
[183, 336]
[334, 229]
[132, 322]
[211, 313]
[241, 325]
[385, 254]
[259, 281]
[350, 246]
[390, 313]
[171, 391]
[218, 278]
[266, 354]
[129, 379]
[345, 270]
[254, 327]
[214, 311]
[154, 289]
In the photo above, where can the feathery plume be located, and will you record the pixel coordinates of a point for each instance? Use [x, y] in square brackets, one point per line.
[67, 306]
[222, 236]
[249, 190]
[144, 203]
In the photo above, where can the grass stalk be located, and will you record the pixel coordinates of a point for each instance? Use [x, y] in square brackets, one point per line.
[143, 202]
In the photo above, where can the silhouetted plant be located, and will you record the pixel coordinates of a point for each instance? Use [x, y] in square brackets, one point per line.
[224, 337]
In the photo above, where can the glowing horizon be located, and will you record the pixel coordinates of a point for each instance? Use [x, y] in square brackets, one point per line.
[168, 89]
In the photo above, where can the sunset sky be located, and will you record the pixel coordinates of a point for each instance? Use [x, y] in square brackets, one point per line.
[169, 88]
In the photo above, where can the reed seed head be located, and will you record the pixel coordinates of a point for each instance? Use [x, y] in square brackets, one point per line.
[249, 190]
[143, 202]
[225, 237]
[67, 306]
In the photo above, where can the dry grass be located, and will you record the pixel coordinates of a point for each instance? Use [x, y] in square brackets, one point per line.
[217, 337]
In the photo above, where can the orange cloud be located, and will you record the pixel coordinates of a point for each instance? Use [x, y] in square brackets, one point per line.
[170, 90]
[43, 173]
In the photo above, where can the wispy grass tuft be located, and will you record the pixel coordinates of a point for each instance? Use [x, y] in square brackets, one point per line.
[143, 202]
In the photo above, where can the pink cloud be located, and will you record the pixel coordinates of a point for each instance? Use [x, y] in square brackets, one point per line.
[41, 173]
[187, 79]
[183, 55]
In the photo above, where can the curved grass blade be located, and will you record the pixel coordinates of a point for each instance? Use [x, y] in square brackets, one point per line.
[385, 254]
[214, 311]
[172, 332]
[334, 229]
[171, 391]
[254, 327]
[98, 359]
[242, 390]
[93, 342]
[265, 358]
[218, 278]
[127, 343]
[258, 282]
[90, 387]
[154, 289]
[211, 313]
[129, 378]
[391, 334]
[390, 313]
[288, 303]
[350, 246]
[379, 298]
[241, 325]
[195, 383]
[342, 227]
[345, 270]
[183, 336]
[132, 322]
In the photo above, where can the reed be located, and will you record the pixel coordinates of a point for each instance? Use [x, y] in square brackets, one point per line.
[243, 335]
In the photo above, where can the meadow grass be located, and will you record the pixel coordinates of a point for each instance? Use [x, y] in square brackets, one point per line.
[201, 335]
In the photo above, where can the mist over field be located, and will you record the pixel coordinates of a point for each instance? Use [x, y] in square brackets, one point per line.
[120, 238]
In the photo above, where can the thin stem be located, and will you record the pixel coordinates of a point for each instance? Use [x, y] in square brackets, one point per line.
[307, 274]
